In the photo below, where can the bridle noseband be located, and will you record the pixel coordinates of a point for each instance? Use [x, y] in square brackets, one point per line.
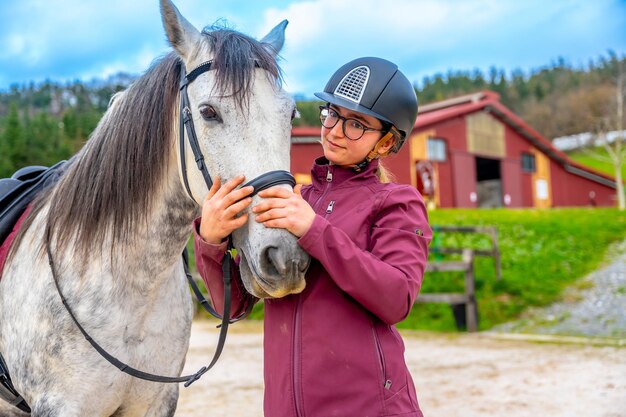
[269, 179]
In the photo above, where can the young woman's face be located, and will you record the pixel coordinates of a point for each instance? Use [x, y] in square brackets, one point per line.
[340, 150]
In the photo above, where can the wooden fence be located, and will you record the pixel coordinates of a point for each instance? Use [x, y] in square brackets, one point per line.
[464, 306]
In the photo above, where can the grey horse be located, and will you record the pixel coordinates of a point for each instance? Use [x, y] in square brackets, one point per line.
[120, 218]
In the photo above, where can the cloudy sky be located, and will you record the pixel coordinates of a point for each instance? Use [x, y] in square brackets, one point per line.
[82, 39]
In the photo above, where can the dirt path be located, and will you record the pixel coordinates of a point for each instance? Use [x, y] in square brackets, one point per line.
[459, 375]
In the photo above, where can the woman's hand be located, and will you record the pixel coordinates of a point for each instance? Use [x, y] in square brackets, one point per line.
[284, 209]
[221, 208]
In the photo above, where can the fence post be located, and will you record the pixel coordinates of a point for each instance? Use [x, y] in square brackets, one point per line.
[496, 253]
[470, 306]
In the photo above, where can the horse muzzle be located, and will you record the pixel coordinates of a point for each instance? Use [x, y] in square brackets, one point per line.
[276, 269]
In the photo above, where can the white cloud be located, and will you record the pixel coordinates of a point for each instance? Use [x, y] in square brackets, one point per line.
[422, 36]
[69, 38]
[62, 38]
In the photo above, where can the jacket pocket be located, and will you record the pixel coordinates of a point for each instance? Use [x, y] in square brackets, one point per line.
[393, 382]
[381, 357]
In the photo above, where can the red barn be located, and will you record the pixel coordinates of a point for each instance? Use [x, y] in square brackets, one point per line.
[472, 151]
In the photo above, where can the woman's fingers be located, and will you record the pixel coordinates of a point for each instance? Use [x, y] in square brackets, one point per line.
[229, 186]
[228, 192]
[238, 207]
[276, 192]
[214, 189]
[270, 203]
[237, 195]
[223, 207]
[237, 222]
[278, 224]
[284, 209]
[276, 213]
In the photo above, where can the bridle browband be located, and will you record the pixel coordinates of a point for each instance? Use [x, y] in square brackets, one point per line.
[266, 180]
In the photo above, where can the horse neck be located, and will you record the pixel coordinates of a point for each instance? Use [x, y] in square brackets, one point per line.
[160, 242]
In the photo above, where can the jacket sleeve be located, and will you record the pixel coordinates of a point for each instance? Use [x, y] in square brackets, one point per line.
[209, 263]
[387, 278]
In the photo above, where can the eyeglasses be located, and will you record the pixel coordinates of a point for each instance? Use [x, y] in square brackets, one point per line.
[352, 128]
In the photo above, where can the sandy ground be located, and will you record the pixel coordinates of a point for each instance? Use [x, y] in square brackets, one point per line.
[456, 375]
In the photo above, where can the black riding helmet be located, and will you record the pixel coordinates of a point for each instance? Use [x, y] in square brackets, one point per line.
[375, 87]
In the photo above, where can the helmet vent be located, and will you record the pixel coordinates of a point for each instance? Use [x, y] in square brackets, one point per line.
[353, 84]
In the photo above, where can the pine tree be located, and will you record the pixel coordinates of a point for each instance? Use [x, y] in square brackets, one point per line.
[13, 144]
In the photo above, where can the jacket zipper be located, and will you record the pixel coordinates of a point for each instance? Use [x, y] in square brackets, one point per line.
[329, 209]
[329, 180]
[296, 325]
[296, 360]
[381, 360]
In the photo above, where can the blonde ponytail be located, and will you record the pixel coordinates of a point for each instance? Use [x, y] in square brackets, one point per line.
[384, 174]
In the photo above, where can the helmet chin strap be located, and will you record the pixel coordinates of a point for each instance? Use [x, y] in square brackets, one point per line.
[374, 154]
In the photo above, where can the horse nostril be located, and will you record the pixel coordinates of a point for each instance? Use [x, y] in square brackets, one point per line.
[275, 262]
[280, 264]
[302, 264]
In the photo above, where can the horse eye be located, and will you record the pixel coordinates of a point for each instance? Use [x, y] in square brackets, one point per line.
[208, 113]
[295, 114]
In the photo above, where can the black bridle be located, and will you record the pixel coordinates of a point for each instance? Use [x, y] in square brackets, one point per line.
[269, 179]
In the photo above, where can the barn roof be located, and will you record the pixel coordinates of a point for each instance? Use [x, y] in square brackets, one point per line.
[489, 101]
[305, 134]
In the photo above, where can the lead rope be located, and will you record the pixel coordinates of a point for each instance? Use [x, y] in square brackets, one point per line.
[203, 301]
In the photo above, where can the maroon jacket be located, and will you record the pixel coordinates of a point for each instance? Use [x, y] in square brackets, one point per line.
[333, 350]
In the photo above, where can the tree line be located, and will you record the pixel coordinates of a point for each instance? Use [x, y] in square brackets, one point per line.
[41, 124]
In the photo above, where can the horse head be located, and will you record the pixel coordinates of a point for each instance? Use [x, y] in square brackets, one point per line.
[242, 120]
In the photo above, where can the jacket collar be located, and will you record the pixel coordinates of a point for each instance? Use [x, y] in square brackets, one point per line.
[340, 175]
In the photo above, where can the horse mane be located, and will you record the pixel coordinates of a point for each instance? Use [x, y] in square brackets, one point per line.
[111, 183]
[235, 58]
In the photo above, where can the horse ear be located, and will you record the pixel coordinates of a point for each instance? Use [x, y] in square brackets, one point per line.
[275, 40]
[181, 34]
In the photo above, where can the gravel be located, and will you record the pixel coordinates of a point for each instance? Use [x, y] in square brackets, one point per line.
[456, 375]
[594, 307]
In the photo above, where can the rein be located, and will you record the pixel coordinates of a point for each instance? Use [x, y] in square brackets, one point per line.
[266, 180]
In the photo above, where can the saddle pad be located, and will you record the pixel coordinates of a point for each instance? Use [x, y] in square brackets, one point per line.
[6, 245]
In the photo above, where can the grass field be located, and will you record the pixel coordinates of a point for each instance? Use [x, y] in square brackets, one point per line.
[542, 251]
[597, 158]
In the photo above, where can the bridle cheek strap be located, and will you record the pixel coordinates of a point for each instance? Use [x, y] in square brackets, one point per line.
[186, 123]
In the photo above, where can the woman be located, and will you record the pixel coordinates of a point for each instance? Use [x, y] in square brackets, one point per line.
[333, 350]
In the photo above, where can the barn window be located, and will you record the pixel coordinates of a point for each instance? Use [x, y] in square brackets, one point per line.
[528, 162]
[437, 151]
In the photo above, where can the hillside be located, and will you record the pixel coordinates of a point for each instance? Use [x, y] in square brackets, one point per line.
[43, 123]
[596, 158]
